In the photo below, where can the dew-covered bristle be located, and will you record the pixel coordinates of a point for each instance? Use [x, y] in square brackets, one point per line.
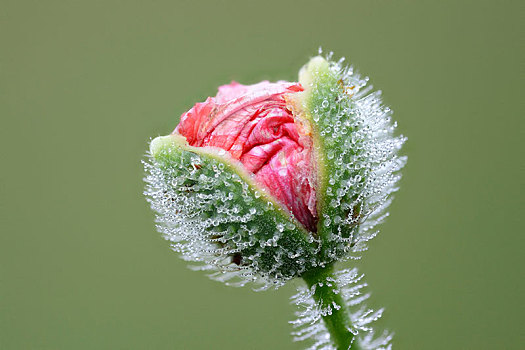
[359, 152]
[309, 325]
[220, 219]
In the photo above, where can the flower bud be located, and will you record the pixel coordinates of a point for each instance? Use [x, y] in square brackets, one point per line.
[268, 181]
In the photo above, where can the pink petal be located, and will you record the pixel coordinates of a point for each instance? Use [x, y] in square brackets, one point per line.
[253, 124]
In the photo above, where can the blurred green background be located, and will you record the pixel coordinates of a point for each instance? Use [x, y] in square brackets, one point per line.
[86, 84]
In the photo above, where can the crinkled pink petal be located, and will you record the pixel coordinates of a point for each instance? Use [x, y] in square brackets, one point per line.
[252, 123]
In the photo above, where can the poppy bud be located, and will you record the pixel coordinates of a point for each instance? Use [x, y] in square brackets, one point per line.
[271, 181]
[276, 178]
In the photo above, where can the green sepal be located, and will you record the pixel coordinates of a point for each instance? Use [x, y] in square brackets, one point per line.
[246, 225]
[328, 105]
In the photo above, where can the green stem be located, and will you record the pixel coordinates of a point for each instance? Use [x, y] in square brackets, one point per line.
[338, 321]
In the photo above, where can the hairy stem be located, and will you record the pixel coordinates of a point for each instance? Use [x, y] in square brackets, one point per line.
[326, 294]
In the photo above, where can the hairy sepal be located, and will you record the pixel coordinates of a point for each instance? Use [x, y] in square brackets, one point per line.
[213, 212]
[356, 155]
